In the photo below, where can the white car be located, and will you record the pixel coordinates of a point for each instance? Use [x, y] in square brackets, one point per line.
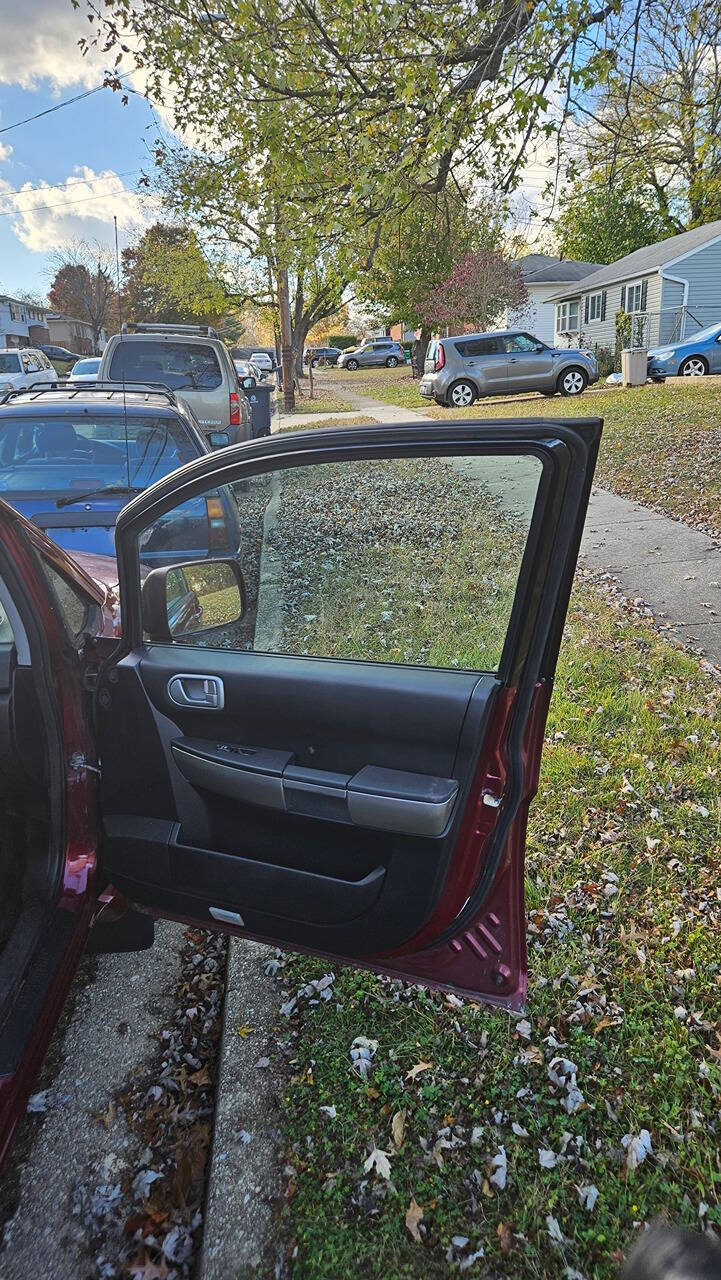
[23, 368]
[262, 361]
[84, 371]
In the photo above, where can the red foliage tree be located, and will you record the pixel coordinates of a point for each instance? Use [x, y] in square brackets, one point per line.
[481, 285]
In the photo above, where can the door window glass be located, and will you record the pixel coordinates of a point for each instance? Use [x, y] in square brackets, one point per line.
[73, 602]
[520, 342]
[402, 560]
[181, 366]
[479, 347]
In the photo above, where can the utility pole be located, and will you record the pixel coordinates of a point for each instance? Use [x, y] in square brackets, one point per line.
[286, 344]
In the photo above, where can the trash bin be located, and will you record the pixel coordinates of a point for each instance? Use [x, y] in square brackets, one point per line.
[259, 399]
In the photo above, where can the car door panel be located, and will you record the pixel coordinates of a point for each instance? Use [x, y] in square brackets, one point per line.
[369, 810]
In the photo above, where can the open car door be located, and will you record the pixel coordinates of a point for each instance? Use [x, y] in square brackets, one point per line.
[331, 739]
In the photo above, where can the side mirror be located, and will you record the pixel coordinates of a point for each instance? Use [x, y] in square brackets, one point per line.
[247, 382]
[540, 346]
[189, 601]
[218, 439]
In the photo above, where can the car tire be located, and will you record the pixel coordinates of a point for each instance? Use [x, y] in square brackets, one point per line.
[352, 365]
[392, 362]
[461, 395]
[693, 367]
[572, 381]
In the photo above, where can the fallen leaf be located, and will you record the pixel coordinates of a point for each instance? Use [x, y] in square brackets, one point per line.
[587, 1197]
[244, 1031]
[330, 1112]
[505, 1236]
[637, 1148]
[500, 1169]
[547, 1159]
[553, 1228]
[378, 1160]
[201, 1077]
[416, 1071]
[398, 1128]
[414, 1215]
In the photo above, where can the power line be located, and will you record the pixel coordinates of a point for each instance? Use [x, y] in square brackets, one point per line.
[65, 186]
[59, 105]
[42, 208]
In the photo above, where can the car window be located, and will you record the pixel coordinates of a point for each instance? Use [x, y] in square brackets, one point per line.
[59, 455]
[85, 366]
[9, 362]
[181, 366]
[479, 347]
[520, 342]
[431, 349]
[74, 604]
[377, 559]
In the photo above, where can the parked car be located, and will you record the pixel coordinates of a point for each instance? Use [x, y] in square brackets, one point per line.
[70, 460]
[192, 362]
[25, 367]
[85, 370]
[692, 357]
[370, 810]
[458, 370]
[263, 360]
[329, 355]
[381, 351]
[246, 369]
[59, 355]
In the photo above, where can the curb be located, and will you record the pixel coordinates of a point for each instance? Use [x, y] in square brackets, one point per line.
[244, 1177]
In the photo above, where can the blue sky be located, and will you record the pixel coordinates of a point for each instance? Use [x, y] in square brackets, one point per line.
[96, 136]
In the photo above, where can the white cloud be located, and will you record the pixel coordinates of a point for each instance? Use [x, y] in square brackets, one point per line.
[45, 218]
[40, 41]
[5, 151]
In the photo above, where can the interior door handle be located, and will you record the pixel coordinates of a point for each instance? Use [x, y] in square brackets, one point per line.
[204, 692]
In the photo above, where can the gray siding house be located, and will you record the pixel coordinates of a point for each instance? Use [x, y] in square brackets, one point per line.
[544, 275]
[673, 288]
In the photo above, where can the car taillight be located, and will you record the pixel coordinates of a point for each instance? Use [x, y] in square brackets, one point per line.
[440, 357]
[217, 530]
[235, 418]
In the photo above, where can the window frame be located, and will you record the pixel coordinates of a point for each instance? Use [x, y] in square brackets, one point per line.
[631, 287]
[563, 327]
[595, 304]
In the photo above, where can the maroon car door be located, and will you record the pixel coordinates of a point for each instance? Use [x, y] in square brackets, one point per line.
[339, 754]
[48, 820]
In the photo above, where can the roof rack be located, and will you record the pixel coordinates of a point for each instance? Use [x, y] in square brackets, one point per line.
[72, 390]
[199, 330]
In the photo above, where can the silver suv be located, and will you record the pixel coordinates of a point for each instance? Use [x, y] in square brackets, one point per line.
[459, 370]
[191, 361]
[380, 351]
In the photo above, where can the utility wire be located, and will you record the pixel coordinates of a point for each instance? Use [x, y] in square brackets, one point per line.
[42, 208]
[59, 105]
[65, 186]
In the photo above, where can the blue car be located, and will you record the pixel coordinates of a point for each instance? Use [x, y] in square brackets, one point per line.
[692, 358]
[70, 460]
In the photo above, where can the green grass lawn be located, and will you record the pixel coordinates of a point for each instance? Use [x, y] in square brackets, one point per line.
[661, 444]
[625, 982]
[325, 400]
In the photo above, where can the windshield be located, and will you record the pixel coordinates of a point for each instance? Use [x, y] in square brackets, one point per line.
[710, 332]
[77, 454]
[181, 366]
[9, 363]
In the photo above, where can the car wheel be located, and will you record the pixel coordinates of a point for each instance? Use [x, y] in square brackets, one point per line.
[351, 364]
[694, 367]
[314, 364]
[392, 362]
[572, 381]
[461, 395]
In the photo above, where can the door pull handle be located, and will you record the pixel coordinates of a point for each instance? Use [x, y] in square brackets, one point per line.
[204, 692]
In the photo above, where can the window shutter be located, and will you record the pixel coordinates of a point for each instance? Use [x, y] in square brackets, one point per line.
[603, 305]
[623, 297]
[585, 310]
[644, 294]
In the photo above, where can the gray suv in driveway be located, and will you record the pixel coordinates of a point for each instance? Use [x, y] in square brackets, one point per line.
[459, 370]
[380, 351]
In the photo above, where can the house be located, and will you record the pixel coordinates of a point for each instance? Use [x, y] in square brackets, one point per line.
[22, 324]
[75, 335]
[673, 288]
[544, 275]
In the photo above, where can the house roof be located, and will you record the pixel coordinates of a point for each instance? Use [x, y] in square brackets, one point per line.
[648, 260]
[545, 268]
